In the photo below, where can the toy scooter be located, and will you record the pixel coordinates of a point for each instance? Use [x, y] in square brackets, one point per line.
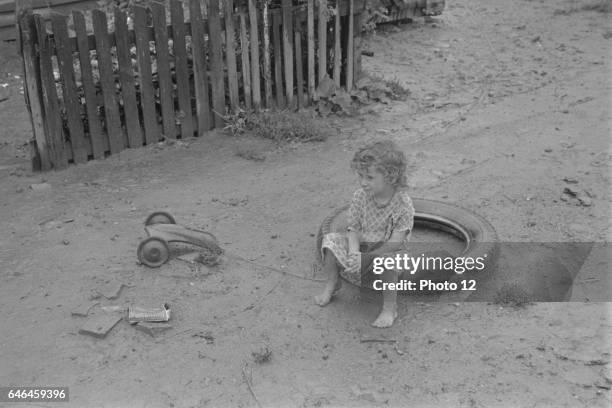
[162, 229]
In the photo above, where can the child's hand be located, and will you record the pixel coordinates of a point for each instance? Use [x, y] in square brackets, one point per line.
[353, 260]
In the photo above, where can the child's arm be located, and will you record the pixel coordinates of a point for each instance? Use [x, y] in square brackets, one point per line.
[394, 244]
[353, 241]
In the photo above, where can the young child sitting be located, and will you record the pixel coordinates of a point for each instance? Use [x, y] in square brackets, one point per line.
[381, 217]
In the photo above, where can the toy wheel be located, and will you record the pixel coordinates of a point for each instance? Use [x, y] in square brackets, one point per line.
[160, 217]
[153, 252]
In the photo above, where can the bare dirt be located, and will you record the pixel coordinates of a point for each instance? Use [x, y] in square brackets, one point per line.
[508, 99]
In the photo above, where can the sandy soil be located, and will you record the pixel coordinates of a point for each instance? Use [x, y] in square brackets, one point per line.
[508, 99]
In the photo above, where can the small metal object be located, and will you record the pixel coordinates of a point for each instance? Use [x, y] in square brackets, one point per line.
[138, 314]
[161, 229]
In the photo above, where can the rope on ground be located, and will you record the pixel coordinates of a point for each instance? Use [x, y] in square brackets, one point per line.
[271, 268]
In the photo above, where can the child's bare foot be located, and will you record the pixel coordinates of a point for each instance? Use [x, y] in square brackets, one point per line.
[328, 293]
[386, 318]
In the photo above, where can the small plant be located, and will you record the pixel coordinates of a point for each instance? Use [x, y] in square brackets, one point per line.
[262, 355]
[398, 90]
[237, 122]
[512, 294]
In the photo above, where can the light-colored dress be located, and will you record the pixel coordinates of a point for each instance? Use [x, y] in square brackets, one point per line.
[376, 223]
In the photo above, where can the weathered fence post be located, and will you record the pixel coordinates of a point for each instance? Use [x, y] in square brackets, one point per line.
[33, 89]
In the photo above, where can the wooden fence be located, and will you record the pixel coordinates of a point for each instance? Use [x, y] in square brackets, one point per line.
[93, 92]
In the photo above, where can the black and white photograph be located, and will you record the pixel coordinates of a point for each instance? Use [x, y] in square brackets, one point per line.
[305, 203]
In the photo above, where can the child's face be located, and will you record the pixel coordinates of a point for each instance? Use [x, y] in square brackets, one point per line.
[373, 182]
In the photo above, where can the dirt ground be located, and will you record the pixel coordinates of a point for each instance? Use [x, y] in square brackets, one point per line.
[507, 100]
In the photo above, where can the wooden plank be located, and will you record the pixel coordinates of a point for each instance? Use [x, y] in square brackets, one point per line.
[322, 39]
[299, 69]
[357, 46]
[288, 49]
[145, 79]
[98, 140]
[349, 49]
[200, 70]
[114, 131]
[216, 63]
[267, 71]
[126, 77]
[246, 64]
[166, 96]
[311, 49]
[32, 89]
[278, 61]
[256, 87]
[99, 326]
[53, 122]
[230, 55]
[181, 69]
[337, 46]
[69, 91]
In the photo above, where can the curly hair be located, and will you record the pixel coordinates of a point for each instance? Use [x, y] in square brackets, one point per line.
[385, 157]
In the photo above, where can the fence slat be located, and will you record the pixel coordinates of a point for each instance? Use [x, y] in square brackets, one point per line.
[164, 79]
[98, 141]
[181, 70]
[33, 96]
[267, 70]
[256, 87]
[126, 77]
[278, 61]
[337, 46]
[349, 52]
[147, 95]
[322, 39]
[299, 69]
[69, 92]
[311, 49]
[246, 65]
[357, 46]
[114, 132]
[230, 54]
[54, 132]
[216, 63]
[288, 49]
[200, 71]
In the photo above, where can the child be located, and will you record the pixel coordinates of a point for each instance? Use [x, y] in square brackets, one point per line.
[381, 216]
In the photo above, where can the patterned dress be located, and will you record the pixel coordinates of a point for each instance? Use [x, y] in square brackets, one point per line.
[376, 223]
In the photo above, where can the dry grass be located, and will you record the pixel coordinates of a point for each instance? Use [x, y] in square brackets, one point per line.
[279, 126]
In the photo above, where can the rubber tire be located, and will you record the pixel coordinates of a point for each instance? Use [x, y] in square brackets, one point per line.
[153, 260]
[479, 234]
[159, 217]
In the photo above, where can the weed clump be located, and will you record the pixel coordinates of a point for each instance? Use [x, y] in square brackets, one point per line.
[279, 126]
[262, 355]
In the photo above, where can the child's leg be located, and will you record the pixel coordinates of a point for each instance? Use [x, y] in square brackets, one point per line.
[330, 266]
[388, 313]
